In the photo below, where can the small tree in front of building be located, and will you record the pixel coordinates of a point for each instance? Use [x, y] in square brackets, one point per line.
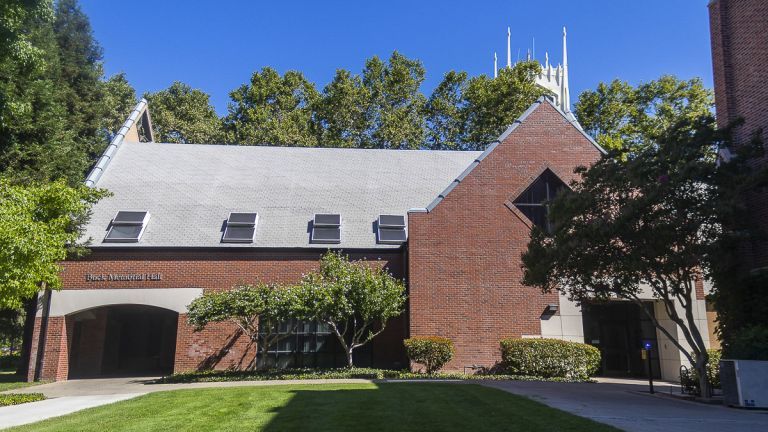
[257, 310]
[648, 218]
[354, 299]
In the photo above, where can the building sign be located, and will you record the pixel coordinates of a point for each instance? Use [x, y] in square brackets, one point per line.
[123, 277]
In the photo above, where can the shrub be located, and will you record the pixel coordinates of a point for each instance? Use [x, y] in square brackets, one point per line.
[341, 373]
[431, 351]
[689, 378]
[9, 361]
[751, 343]
[20, 398]
[549, 358]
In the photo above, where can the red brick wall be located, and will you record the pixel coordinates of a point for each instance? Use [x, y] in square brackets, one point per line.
[219, 346]
[739, 30]
[464, 256]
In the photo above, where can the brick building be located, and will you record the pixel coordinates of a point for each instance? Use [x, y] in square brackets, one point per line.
[739, 32]
[186, 218]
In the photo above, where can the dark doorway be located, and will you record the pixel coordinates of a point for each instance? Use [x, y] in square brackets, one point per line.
[619, 330]
[123, 340]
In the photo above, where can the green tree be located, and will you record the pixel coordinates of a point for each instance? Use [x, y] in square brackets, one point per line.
[119, 100]
[468, 113]
[493, 104]
[78, 77]
[621, 116]
[645, 218]
[353, 298]
[40, 224]
[342, 112]
[395, 109]
[181, 114]
[35, 141]
[257, 310]
[15, 15]
[273, 110]
[446, 113]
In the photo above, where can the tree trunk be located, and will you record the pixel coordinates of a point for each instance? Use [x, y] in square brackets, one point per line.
[349, 357]
[705, 388]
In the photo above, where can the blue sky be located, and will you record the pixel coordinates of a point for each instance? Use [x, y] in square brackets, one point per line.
[215, 46]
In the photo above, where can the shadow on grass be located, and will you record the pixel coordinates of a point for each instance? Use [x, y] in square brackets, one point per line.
[419, 407]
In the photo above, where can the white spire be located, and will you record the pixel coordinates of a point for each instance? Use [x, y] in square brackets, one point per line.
[564, 92]
[495, 65]
[509, 48]
[546, 59]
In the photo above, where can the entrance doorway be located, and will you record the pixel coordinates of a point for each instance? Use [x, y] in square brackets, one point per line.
[620, 330]
[121, 340]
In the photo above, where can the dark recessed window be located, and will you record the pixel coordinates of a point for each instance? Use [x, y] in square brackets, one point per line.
[127, 227]
[391, 229]
[300, 344]
[240, 228]
[534, 201]
[326, 228]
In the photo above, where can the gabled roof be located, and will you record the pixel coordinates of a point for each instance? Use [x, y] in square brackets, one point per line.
[491, 146]
[190, 189]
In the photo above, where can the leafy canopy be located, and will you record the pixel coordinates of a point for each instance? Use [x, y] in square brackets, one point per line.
[355, 299]
[650, 218]
[39, 225]
[181, 114]
[620, 116]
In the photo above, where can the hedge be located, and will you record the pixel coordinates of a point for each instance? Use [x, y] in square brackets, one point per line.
[549, 358]
[341, 373]
[20, 398]
[431, 351]
[689, 379]
[9, 361]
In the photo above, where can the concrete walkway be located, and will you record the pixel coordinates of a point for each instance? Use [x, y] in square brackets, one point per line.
[17, 415]
[627, 405]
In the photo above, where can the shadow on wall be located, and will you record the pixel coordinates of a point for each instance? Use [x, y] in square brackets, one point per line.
[215, 359]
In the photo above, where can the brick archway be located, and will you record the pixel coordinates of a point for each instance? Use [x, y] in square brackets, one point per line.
[121, 340]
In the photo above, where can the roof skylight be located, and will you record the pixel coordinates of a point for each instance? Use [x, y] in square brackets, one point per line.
[240, 228]
[127, 227]
[326, 228]
[391, 229]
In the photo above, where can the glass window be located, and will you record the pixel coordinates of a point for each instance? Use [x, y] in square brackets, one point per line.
[534, 201]
[303, 344]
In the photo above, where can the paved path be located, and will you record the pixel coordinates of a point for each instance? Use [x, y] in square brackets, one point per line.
[627, 405]
[17, 415]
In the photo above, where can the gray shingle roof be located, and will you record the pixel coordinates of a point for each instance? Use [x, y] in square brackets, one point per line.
[190, 189]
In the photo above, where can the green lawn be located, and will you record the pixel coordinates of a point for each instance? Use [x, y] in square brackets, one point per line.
[9, 381]
[325, 407]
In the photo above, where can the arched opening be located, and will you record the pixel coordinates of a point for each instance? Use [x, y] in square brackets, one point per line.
[121, 340]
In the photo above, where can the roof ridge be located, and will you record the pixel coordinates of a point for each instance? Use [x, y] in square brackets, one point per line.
[491, 146]
[114, 145]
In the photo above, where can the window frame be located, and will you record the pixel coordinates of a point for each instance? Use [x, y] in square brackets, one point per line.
[117, 222]
[238, 225]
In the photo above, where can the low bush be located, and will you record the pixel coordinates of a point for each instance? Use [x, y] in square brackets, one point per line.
[345, 373]
[431, 351]
[20, 398]
[689, 378]
[9, 361]
[751, 343]
[549, 358]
